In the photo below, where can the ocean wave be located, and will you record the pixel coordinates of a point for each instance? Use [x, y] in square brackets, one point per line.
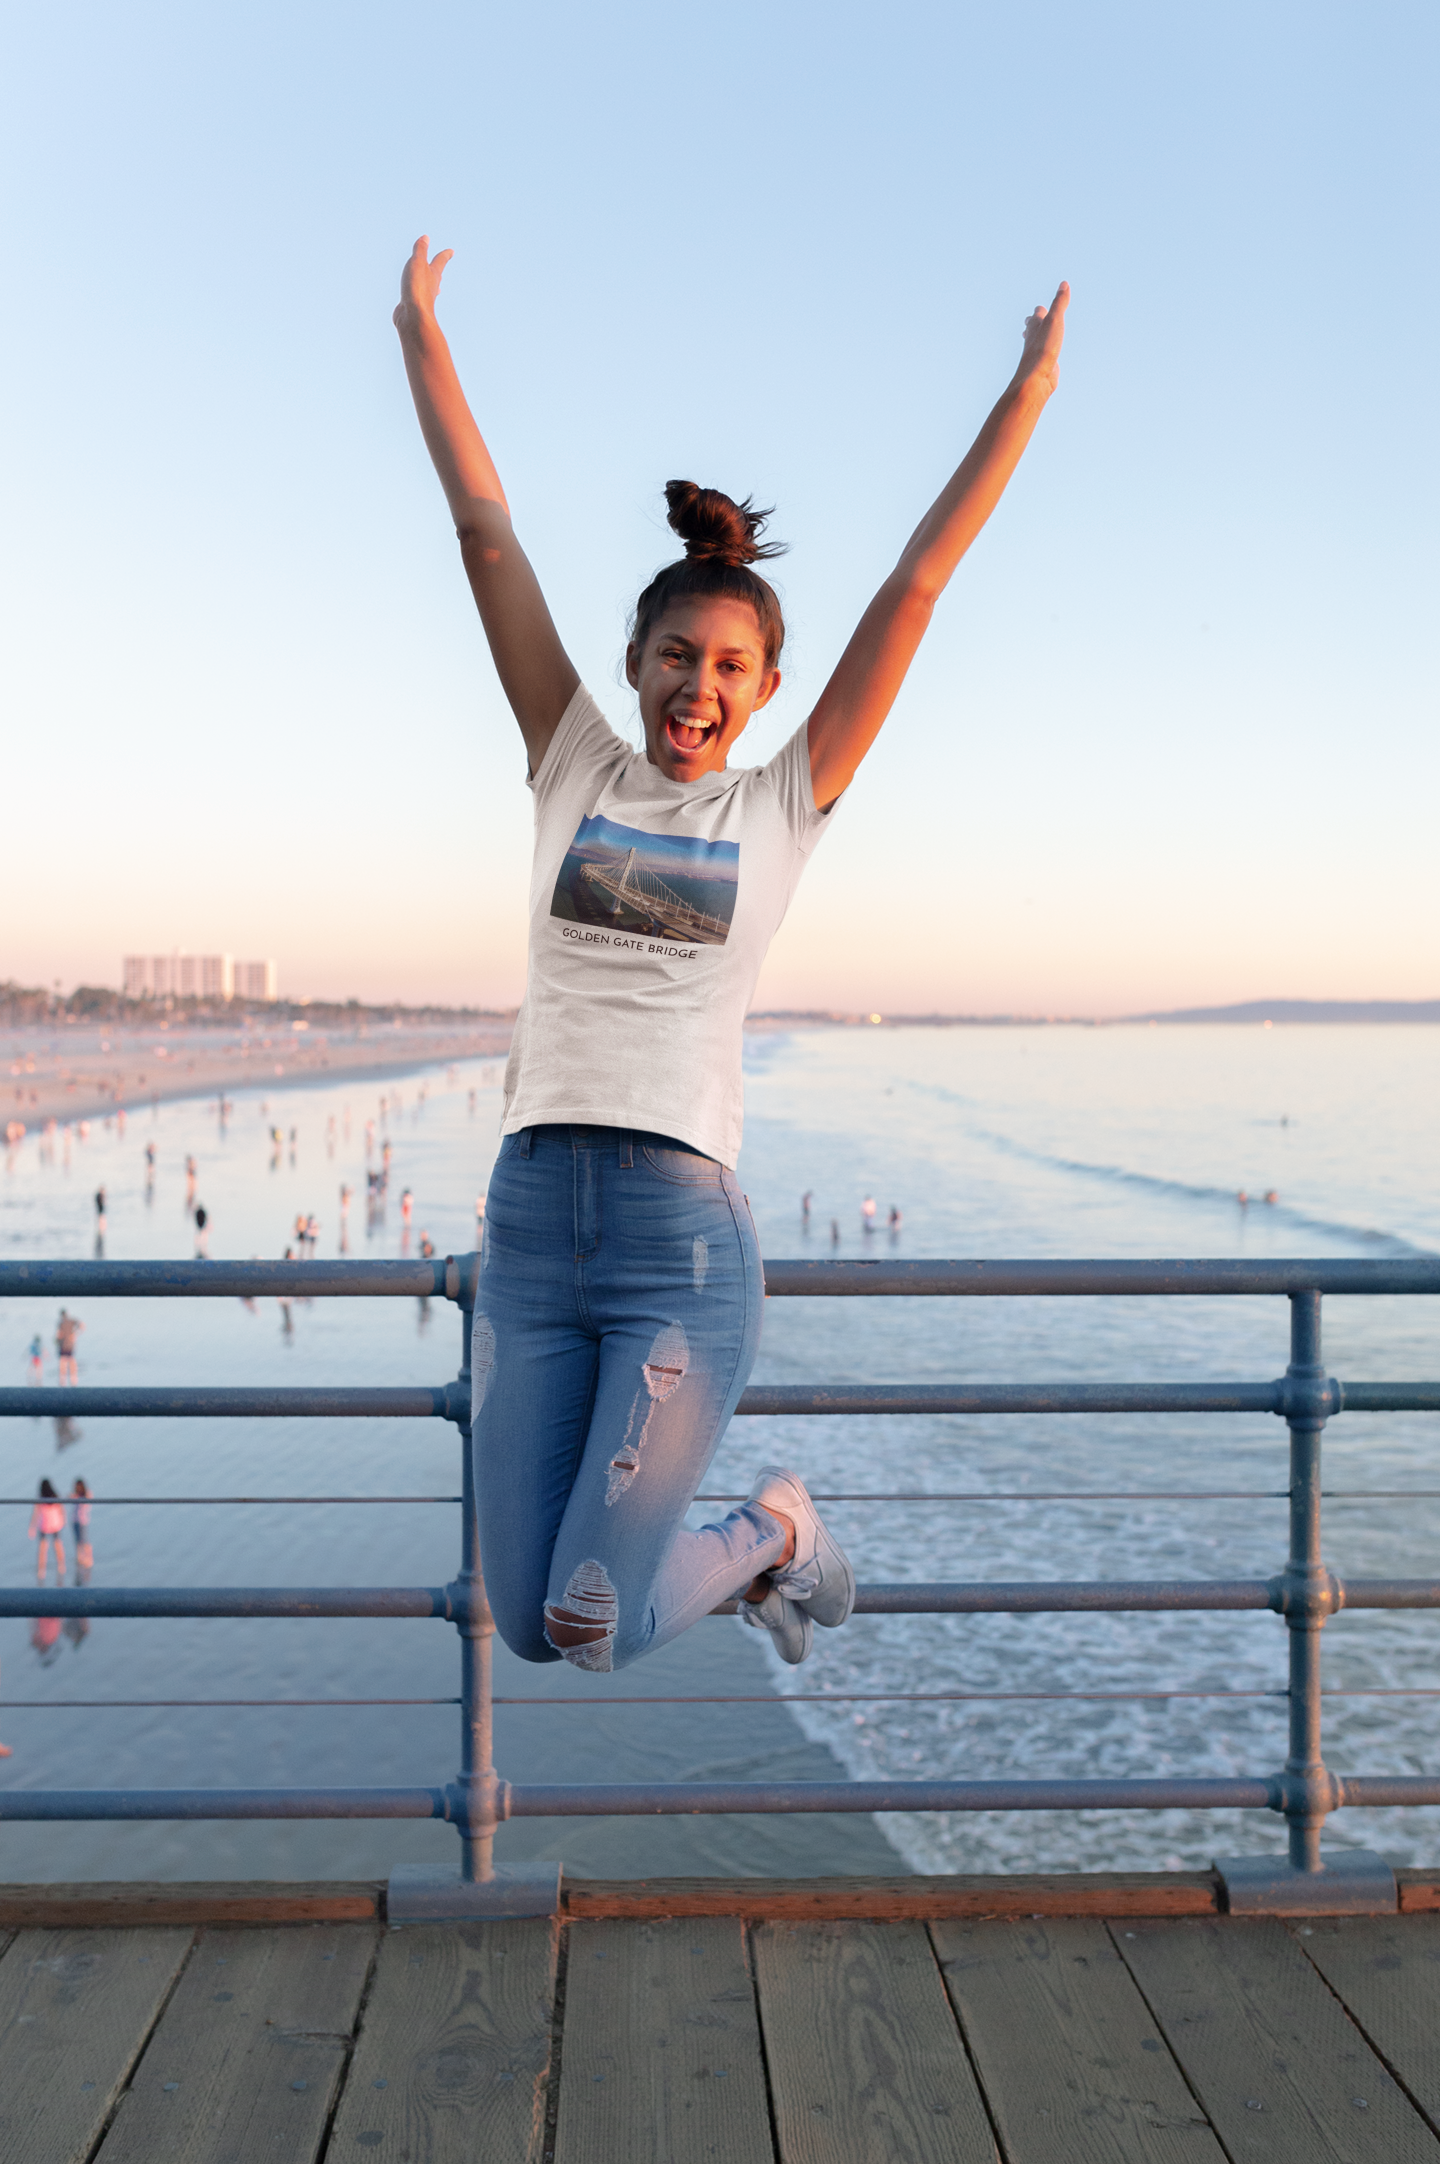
[1380, 1242]
[1388, 1243]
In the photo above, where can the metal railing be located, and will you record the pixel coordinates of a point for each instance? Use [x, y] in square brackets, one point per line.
[1304, 1593]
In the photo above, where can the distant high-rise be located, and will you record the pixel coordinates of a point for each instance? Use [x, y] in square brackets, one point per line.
[197, 976]
[255, 980]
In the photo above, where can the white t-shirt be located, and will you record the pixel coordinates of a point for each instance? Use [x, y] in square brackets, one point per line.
[652, 905]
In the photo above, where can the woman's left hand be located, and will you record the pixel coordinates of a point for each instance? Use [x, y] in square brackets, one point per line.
[1044, 336]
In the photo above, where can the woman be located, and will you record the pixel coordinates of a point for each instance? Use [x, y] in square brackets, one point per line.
[47, 1526]
[619, 1306]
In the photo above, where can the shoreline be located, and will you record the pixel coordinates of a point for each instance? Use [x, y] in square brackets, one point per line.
[94, 1083]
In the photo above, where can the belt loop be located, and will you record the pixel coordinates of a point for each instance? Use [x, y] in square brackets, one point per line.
[627, 1151]
[527, 1136]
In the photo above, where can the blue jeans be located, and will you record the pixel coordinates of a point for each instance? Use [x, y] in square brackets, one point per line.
[616, 1324]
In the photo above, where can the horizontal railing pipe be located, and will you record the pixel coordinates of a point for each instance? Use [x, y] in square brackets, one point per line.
[784, 1279]
[202, 1601]
[985, 1279]
[101, 1803]
[443, 1401]
[224, 1280]
[635, 1798]
[1060, 1597]
[208, 1401]
[1390, 1397]
[1066, 1397]
[981, 1596]
[1376, 1791]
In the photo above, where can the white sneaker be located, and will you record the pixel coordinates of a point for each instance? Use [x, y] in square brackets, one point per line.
[818, 1578]
[789, 1626]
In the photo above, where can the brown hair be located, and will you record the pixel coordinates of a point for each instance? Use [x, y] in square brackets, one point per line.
[722, 540]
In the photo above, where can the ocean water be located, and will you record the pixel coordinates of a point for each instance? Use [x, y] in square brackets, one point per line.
[1023, 1142]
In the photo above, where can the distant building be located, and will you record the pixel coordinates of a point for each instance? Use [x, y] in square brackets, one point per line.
[256, 980]
[197, 976]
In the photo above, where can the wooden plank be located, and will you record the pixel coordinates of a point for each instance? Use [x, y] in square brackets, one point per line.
[865, 2058]
[248, 2056]
[1386, 1971]
[662, 2057]
[1419, 1890]
[1069, 2057]
[115, 1904]
[75, 2010]
[454, 2047]
[881, 1900]
[1283, 2073]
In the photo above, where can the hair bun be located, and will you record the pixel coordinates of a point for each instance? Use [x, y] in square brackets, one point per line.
[716, 529]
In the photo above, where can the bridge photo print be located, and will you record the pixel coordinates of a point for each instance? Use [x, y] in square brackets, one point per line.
[668, 887]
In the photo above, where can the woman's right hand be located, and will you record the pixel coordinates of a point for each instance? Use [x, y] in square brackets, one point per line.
[420, 282]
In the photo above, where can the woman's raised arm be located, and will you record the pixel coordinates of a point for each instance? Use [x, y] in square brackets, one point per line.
[538, 675]
[860, 694]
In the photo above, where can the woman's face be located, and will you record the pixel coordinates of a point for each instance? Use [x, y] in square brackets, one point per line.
[700, 675]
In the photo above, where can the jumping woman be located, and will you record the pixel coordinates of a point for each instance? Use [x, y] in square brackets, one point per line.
[618, 1315]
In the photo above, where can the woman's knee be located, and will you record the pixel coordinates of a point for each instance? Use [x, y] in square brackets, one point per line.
[520, 1626]
[527, 1645]
[583, 1620]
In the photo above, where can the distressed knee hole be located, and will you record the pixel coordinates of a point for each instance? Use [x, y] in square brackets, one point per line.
[581, 1627]
[663, 1372]
[482, 1361]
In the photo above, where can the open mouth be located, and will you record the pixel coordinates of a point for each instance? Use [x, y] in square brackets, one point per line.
[689, 733]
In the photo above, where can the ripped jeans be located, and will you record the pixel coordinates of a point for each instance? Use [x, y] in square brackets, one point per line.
[616, 1324]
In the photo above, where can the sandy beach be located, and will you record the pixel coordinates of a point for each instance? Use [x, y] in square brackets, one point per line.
[80, 1071]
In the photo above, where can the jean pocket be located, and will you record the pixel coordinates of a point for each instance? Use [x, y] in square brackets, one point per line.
[686, 1168]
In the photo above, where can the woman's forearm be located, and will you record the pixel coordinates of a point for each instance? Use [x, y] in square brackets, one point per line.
[538, 675]
[960, 510]
[466, 469]
[853, 706]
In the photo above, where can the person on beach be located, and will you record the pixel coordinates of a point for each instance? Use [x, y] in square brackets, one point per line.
[80, 1526]
[67, 1329]
[618, 1310]
[37, 1359]
[47, 1526]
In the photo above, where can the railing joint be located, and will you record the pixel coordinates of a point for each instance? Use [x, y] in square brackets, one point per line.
[462, 1278]
[453, 1401]
[1308, 1397]
[1306, 1598]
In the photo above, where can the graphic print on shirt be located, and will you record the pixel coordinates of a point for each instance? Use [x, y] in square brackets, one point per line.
[666, 886]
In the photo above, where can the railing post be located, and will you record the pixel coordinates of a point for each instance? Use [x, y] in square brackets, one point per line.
[416, 1893]
[1356, 1882]
[478, 1782]
[1308, 1787]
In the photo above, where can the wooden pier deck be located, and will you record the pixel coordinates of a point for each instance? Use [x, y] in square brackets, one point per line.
[914, 2021]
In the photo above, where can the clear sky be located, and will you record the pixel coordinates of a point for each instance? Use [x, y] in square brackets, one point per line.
[1172, 738]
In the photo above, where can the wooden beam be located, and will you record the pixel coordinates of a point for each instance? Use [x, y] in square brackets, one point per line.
[1419, 1890]
[899, 1900]
[116, 1903]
